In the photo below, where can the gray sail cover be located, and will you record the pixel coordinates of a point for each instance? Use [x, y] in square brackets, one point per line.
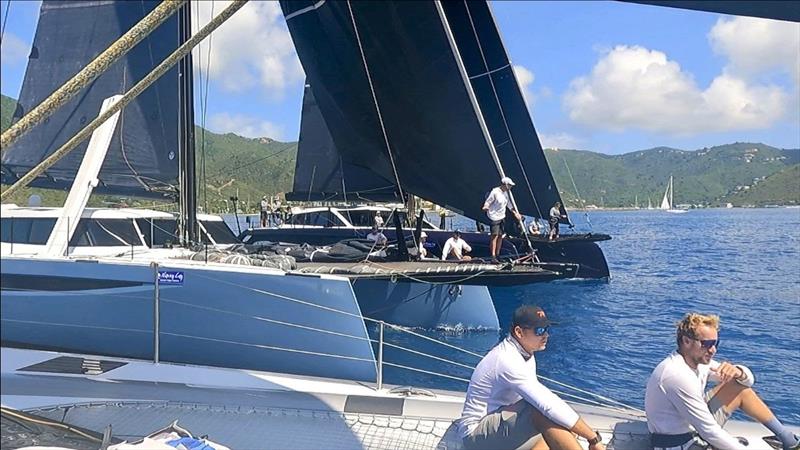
[434, 137]
[143, 156]
[320, 174]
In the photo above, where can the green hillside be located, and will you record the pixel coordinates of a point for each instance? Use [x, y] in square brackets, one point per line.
[740, 173]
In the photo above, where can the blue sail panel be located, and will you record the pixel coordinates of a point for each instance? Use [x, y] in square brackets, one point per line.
[143, 157]
[320, 172]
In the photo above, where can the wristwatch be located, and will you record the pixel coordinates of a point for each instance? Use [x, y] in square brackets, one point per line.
[596, 439]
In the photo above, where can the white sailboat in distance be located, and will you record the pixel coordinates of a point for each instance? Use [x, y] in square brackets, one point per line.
[667, 203]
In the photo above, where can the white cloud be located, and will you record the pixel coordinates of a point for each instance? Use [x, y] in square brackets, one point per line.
[633, 87]
[252, 49]
[243, 125]
[754, 46]
[560, 140]
[525, 79]
[14, 50]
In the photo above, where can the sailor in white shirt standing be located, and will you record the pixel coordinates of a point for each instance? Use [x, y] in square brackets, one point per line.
[506, 405]
[456, 248]
[682, 416]
[495, 208]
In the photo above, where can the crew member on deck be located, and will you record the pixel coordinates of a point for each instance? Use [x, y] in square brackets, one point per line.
[506, 405]
[495, 207]
[456, 248]
[265, 211]
[555, 218]
[677, 407]
[377, 235]
[422, 251]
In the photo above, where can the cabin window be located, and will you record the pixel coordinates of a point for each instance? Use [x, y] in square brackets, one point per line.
[163, 231]
[26, 230]
[219, 232]
[105, 233]
[317, 218]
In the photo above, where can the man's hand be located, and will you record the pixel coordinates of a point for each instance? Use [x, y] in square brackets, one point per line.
[518, 215]
[727, 371]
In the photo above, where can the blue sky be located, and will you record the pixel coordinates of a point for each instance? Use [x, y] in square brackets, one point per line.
[611, 77]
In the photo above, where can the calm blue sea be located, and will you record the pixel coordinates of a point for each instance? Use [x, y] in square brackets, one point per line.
[743, 264]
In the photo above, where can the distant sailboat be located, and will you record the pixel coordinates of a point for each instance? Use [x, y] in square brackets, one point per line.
[667, 203]
[649, 203]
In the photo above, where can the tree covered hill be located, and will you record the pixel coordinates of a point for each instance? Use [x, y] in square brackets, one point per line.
[740, 173]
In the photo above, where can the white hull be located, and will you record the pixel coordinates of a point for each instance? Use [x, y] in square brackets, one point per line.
[246, 409]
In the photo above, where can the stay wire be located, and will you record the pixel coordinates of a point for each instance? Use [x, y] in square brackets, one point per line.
[575, 186]
[5, 21]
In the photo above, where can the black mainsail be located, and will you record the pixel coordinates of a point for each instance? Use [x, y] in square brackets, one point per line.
[321, 174]
[143, 157]
[424, 93]
[502, 105]
[383, 76]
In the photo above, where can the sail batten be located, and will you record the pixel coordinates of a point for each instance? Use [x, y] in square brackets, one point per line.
[143, 155]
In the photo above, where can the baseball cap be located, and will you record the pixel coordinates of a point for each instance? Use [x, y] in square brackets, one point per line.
[507, 180]
[529, 316]
[423, 235]
[457, 231]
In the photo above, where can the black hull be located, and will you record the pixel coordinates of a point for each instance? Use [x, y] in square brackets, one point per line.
[579, 249]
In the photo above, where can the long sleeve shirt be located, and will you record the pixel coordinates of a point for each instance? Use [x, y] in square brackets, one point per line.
[675, 403]
[503, 377]
[457, 246]
[496, 204]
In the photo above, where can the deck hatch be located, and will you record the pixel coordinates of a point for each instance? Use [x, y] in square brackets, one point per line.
[73, 365]
[373, 405]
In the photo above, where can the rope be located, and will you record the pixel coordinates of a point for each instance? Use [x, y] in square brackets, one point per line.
[414, 369]
[575, 186]
[427, 355]
[89, 73]
[49, 423]
[5, 20]
[422, 336]
[129, 96]
[204, 107]
[375, 101]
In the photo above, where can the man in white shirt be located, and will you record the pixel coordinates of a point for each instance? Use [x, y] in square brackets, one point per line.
[555, 218]
[377, 236]
[456, 248]
[423, 252]
[495, 208]
[506, 405]
[677, 407]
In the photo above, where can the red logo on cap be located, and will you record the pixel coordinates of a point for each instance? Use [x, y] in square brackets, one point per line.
[540, 314]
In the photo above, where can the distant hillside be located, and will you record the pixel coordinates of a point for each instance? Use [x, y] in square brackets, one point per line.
[740, 173]
[705, 176]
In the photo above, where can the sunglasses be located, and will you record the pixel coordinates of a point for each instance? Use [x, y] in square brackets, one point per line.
[707, 343]
[539, 331]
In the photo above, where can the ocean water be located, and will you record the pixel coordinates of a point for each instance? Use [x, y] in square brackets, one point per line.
[743, 264]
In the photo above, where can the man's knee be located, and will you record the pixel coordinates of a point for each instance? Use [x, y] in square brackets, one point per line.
[542, 423]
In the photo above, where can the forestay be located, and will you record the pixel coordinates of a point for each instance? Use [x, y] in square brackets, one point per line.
[143, 156]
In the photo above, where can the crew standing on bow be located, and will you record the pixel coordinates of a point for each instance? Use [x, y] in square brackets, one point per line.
[495, 207]
[555, 217]
[677, 407]
[506, 405]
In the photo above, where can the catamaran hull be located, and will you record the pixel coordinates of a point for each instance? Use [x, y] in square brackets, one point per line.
[216, 316]
[570, 249]
[426, 305]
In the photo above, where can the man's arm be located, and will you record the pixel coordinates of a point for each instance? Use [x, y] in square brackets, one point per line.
[687, 398]
[725, 371]
[446, 250]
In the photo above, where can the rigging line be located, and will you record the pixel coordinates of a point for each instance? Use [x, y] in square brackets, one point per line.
[375, 99]
[249, 163]
[5, 21]
[204, 103]
[575, 186]
[500, 109]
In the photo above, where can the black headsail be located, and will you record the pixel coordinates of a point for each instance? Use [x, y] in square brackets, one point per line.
[143, 157]
[320, 173]
[388, 82]
[502, 105]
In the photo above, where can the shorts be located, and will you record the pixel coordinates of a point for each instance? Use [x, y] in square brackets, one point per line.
[263, 215]
[497, 228]
[506, 428]
[720, 416]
